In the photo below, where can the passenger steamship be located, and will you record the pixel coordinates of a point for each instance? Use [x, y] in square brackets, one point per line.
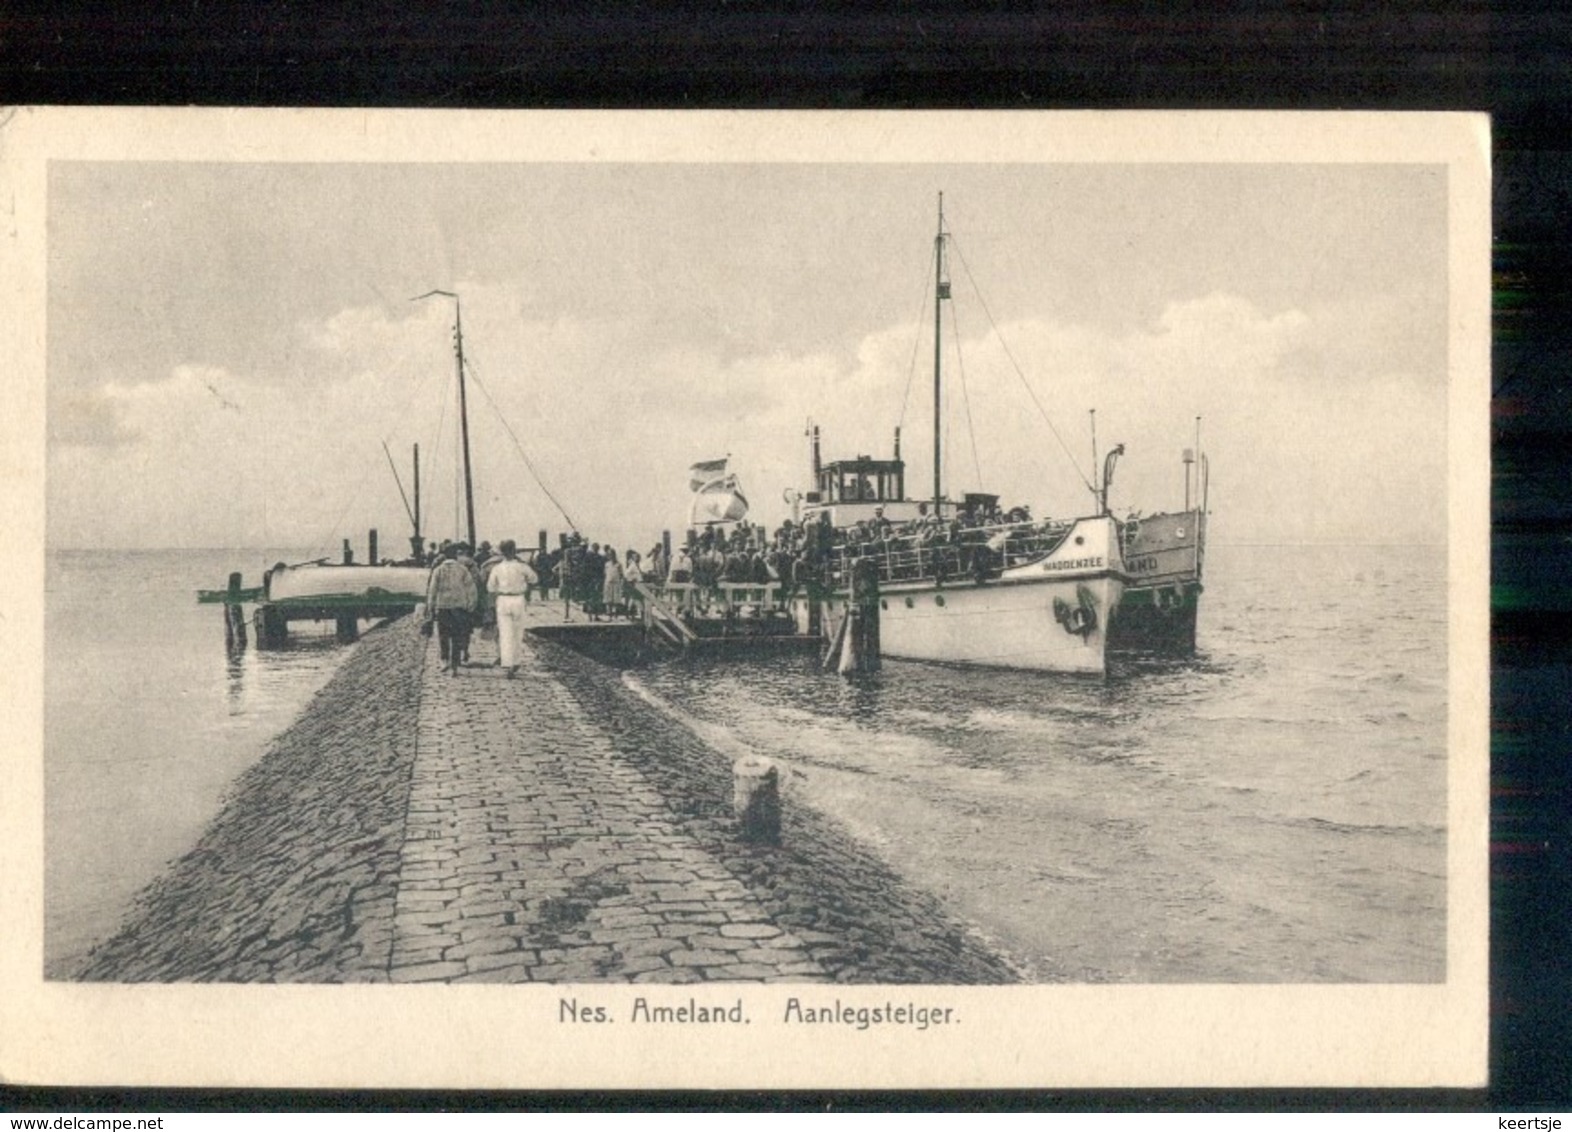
[1052, 595]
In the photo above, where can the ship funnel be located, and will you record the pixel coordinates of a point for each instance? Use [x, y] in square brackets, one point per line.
[897, 442]
[816, 462]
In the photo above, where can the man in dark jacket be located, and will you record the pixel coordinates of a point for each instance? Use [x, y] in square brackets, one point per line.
[451, 600]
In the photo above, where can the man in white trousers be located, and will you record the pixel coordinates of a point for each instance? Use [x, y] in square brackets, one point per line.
[509, 581]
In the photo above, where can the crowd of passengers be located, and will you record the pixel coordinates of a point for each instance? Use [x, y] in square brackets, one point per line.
[797, 557]
[809, 557]
[972, 543]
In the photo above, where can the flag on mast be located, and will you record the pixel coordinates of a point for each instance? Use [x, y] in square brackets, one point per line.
[706, 472]
[717, 497]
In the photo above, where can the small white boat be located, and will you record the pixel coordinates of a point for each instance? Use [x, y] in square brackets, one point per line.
[358, 586]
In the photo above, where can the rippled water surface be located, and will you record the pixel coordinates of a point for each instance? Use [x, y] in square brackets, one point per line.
[1273, 810]
[147, 721]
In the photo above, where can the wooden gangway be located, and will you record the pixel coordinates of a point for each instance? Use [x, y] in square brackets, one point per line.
[660, 619]
[688, 615]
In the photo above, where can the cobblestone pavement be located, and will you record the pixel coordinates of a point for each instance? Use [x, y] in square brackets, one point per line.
[532, 852]
[861, 920]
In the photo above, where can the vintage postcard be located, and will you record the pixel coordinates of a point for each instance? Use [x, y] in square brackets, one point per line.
[745, 599]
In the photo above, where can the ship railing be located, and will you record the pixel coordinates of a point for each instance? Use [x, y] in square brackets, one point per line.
[719, 599]
[925, 556]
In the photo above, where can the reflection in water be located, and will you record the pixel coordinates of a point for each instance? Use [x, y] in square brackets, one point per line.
[234, 671]
[255, 678]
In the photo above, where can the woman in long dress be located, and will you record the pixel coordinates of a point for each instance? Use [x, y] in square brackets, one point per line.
[633, 573]
[611, 589]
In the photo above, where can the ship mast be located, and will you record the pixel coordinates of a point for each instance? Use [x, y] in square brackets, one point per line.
[941, 291]
[469, 483]
[419, 540]
[458, 355]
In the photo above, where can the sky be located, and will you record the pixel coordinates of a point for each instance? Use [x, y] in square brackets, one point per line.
[231, 345]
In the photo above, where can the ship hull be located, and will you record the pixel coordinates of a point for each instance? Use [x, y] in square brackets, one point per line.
[1001, 624]
[1163, 557]
[1157, 620]
[1049, 615]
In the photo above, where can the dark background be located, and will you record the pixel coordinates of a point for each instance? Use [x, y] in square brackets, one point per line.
[1512, 60]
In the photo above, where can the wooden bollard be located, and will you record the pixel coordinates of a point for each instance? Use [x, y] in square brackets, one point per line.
[756, 799]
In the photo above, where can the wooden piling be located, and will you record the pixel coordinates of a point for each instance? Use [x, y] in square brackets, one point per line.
[859, 650]
[347, 628]
[272, 628]
[756, 799]
[234, 617]
[870, 621]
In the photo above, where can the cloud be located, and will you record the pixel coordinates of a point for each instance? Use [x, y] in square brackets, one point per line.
[1294, 457]
[1310, 438]
[610, 419]
[234, 373]
[1230, 332]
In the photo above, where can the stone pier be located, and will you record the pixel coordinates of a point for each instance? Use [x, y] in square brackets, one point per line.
[418, 827]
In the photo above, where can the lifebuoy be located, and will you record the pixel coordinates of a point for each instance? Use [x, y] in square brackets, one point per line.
[1079, 619]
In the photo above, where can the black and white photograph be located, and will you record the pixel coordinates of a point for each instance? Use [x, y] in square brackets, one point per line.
[875, 594]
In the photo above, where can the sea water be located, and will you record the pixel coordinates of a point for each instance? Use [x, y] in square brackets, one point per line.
[1272, 810]
[148, 719]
